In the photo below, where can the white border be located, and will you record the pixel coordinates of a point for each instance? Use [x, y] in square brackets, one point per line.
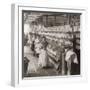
[17, 47]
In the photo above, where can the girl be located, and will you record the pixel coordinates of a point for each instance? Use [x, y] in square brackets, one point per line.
[43, 58]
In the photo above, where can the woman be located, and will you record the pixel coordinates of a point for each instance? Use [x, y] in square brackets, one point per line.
[43, 58]
[37, 46]
[33, 44]
[70, 58]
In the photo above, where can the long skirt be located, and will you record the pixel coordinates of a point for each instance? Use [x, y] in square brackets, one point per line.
[32, 67]
[43, 59]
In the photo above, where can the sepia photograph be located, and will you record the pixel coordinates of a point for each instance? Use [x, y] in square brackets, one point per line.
[50, 43]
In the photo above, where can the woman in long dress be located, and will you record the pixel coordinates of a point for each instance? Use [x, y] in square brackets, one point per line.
[43, 58]
[32, 67]
[70, 58]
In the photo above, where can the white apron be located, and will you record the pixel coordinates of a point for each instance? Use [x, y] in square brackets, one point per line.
[42, 62]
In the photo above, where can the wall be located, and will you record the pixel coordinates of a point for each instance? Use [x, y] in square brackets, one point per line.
[5, 46]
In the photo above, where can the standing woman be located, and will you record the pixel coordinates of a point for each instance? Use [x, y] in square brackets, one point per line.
[37, 46]
[43, 56]
[33, 44]
[70, 58]
[42, 62]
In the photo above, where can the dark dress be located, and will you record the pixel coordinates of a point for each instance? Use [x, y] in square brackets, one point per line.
[26, 61]
[45, 43]
[33, 46]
